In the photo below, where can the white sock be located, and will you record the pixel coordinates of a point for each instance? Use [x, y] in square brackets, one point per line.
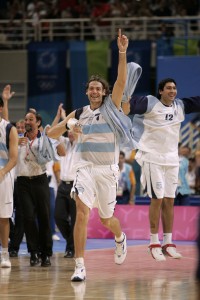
[120, 239]
[167, 238]
[154, 238]
[4, 250]
[79, 261]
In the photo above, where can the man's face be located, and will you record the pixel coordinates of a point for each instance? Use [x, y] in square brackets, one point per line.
[31, 123]
[95, 92]
[169, 92]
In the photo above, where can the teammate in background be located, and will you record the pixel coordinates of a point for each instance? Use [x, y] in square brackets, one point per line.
[97, 169]
[17, 227]
[65, 206]
[53, 174]
[156, 124]
[8, 159]
[126, 183]
[183, 190]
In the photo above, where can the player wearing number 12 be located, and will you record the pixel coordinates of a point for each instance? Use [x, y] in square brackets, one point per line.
[156, 124]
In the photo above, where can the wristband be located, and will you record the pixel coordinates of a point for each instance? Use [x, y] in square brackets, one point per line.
[71, 123]
[122, 51]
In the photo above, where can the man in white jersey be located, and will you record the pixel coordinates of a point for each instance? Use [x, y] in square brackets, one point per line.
[97, 168]
[156, 124]
[8, 159]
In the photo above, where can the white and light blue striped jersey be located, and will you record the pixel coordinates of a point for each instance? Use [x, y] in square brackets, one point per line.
[97, 144]
[3, 147]
[156, 127]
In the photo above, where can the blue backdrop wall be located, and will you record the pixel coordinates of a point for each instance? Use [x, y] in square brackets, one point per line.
[186, 72]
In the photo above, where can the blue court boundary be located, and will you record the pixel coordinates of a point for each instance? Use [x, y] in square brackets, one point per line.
[95, 244]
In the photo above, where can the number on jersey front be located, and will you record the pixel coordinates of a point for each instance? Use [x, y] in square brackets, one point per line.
[169, 117]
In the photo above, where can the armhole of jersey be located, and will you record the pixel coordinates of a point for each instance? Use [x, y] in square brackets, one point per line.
[78, 112]
[8, 128]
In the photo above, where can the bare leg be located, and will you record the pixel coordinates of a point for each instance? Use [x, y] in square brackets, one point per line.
[154, 214]
[154, 219]
[167, 214]
[113, 225]
[80, 228]
[4, 231]
[167, 220]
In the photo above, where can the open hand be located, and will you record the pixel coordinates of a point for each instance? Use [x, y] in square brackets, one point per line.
[7, 94]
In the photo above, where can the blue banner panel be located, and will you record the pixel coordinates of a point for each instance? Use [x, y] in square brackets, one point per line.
[47, 77]
[78, 73]
[140, 53]
[185, 70]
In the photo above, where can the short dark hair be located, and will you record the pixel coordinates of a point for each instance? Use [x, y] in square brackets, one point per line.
[1, 102]
[162, 84]
[122, 153]
[102, 81]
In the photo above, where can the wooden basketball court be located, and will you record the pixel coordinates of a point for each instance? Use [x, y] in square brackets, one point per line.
[139, 278]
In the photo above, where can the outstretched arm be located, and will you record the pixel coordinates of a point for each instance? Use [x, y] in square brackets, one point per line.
[119, 86]
[6, 95]
[60, 128]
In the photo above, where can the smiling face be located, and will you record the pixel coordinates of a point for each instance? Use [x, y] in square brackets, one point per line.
[95, 93]
[31, 123]
[20, 125]
[169, 92]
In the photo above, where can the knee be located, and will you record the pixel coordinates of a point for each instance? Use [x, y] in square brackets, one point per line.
[4, 221]
[82, 216]
[105, 222]
[156, 203]
[82, 211]
[168, 202]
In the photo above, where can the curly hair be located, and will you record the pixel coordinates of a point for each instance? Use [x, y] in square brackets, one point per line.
[104, 83]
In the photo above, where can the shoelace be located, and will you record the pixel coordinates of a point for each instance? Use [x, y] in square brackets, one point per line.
[79, 268]
[120, 247]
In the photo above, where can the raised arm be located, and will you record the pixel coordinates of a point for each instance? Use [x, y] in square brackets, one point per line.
[118, 89]
[6, 95]
[61, 115]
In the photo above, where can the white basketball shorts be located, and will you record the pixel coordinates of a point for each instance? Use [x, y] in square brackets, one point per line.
[96, 186]
[6, 198]
[159, 181]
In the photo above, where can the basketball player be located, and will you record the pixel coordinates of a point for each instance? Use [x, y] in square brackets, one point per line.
[97, 172]
[156, 124]
[8, 159]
